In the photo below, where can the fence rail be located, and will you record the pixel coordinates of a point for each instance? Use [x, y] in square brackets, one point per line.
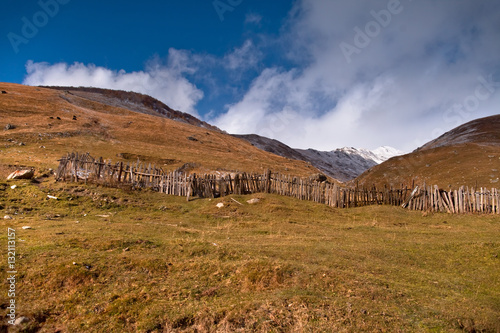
[82, 167]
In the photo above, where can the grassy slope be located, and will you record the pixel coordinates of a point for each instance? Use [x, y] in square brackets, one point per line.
[467, 155]
[159, 263]
[107, 131]
[465, 164]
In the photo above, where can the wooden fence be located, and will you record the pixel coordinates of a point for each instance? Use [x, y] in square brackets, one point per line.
[82, 167]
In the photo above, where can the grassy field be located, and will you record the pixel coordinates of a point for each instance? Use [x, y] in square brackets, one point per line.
[111, 260]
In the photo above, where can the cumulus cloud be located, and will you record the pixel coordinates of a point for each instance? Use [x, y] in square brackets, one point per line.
[411, 64]
[165, 81]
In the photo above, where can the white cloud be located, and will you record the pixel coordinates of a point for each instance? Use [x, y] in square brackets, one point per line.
[244, 57]
[165, 82]
[395, 91]
[253, 18]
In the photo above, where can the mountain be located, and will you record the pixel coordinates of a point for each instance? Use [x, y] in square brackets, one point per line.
[272, 146]
[347, 163]
[39, 125]
[343, 164]
[129, 100]
[467, 155]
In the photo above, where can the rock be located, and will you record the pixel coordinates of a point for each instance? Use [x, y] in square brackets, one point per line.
[4, 92]
[9, 127]
[253, 201]
[7, 217]
[52, 197]
[21, 320]
[13, 187]
[26, 228]
[220, 205]
[319, 177]
[190, 138]
[22, 174]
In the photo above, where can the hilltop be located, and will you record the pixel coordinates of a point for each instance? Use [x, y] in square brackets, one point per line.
[46, 123]
[467, 155]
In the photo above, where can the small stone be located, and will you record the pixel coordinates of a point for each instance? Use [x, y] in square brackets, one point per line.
[52, 197]
[13, 187]
[7, 217]
[10, 126]
[220, 205]
[21, 320]
[253, 201]
[26, 228]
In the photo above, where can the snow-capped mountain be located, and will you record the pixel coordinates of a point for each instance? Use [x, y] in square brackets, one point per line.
[384, 153]
[347, 163]
[343, 164]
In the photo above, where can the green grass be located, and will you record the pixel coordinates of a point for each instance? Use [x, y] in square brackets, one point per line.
[158, 263]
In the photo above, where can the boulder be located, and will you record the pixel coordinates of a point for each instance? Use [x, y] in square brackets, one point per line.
[319, 177]
[22, 174]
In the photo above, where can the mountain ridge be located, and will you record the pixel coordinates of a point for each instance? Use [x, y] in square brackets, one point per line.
[132, 101]
[343, 164]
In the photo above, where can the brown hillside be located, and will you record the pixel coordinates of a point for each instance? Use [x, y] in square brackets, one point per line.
[131, 101]
[45, 129]
[467, 155]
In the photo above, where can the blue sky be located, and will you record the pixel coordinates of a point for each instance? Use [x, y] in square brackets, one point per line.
[311, 73]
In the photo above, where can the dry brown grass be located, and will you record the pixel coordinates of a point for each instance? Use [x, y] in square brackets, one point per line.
[466, 164]
[147, 262]
[107, 131]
